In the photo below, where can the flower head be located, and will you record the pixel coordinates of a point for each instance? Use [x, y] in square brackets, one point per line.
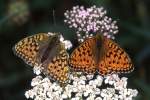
[90, 20]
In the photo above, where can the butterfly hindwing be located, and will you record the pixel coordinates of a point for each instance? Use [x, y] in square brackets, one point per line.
[82, 58]
[56, 63]
[58, 68]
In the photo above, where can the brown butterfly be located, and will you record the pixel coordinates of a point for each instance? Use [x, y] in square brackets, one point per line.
[99, 52]
[47, 51]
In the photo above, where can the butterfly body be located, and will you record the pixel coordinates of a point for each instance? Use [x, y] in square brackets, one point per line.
[45, 51]
[48, 50]
[102, 54]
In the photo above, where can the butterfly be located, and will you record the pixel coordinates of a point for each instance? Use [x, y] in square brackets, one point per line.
[101, 54]
[47, 51]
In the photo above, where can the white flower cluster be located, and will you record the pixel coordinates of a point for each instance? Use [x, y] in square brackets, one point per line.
[67, 43]
[83, 87]
[119, 90]
[90, 20]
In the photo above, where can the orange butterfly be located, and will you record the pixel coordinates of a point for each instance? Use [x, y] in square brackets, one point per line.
[46, 51]
[102, 54]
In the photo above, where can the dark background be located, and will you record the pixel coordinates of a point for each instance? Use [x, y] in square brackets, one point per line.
[21, 18]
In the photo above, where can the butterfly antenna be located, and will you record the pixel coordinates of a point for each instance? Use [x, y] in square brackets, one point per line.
[54, 20]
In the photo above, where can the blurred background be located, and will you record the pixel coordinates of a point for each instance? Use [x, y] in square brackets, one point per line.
[21, 18]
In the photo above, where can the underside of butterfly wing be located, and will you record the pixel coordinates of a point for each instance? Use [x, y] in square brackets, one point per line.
[82, 58]
[115, 59]
[57, 66]
[28, 48]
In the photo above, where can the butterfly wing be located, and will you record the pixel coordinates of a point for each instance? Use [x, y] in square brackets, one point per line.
[58, 68]
[114, 60]
[28, 48]
[82, 58]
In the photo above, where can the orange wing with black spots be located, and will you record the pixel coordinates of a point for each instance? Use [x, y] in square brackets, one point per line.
[28, 48]
[58, 68]
[114, 60]
[82, 58]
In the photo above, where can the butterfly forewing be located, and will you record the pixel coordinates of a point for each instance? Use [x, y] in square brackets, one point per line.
[114, 60]
[28, 48]
[45, 51]
[82, 58]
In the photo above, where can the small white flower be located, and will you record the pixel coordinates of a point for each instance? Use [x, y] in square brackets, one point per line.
[83, 78]
[36, 80]
[76, 98]
[109, 92]
[37, 70]
[51, 34]
[86, 93]
[49, 94]
[79, 94]
[39, 98]
[64, 96]
[49, 99]
[99, 80]
[91, 97]
[134, 92]
[61, 38]
[75, 83]
[91, 82]
[68, 92]
[74, 89]
[67, 43]
[119, 85]
[89, 77]
[111, 79]
[98, 98]
[97, 91]
[30, 94]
